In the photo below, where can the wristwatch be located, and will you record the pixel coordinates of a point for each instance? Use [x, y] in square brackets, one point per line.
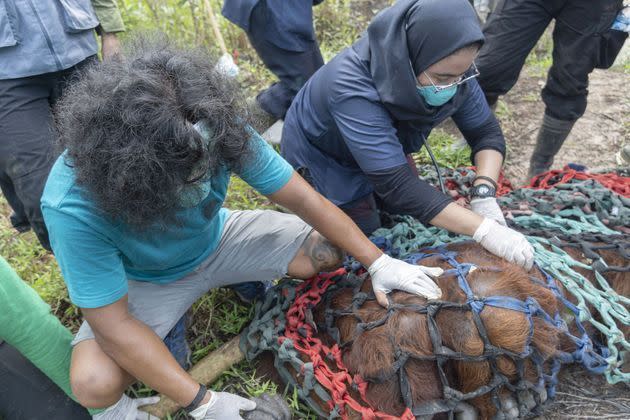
[483, 190]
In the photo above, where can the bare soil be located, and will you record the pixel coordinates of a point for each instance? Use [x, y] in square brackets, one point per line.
[595, 138]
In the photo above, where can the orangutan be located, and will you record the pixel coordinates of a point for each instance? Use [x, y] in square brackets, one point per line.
[372, 353]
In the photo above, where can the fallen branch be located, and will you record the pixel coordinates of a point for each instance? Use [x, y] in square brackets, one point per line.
[206, 371]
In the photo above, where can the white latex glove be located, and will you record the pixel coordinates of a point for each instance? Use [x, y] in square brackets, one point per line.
[505, 243]
[227, 66]
[127, 409]
[223, 406]
[389, 273]
[488, 207]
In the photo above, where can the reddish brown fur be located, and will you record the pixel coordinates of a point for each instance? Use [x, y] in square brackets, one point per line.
[372, 353]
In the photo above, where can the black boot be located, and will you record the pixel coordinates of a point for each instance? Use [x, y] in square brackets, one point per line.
[551, 135]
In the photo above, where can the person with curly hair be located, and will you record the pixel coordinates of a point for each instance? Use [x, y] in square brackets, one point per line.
[134, 208]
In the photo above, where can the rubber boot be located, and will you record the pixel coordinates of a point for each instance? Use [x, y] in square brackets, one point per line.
[623, 156]
[551, 135]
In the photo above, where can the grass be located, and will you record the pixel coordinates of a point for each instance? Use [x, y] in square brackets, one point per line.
[449, 152]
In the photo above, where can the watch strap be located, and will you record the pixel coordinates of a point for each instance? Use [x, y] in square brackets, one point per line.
[198, 398]
[487, 178]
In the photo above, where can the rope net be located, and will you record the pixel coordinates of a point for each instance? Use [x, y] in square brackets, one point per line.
[578, 225]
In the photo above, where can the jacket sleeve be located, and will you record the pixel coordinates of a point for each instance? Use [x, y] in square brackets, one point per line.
[478, 124]
[402, 192]
[108, 15]
[369, 133]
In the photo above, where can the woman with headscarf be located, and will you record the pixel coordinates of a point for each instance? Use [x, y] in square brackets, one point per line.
[351, 127]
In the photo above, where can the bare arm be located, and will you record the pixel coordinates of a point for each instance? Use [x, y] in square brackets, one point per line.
[139, 351]
[299, 197]
[488, 164]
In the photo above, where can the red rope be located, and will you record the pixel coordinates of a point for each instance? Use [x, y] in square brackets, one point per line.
[505, 186]
[547, 180]
[338, 382]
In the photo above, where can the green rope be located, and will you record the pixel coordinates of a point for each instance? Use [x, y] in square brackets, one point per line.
[578, 207]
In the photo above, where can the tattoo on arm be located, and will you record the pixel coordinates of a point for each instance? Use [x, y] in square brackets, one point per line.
[323, 254]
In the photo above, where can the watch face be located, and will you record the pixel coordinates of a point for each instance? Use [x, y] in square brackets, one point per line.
[483, 189]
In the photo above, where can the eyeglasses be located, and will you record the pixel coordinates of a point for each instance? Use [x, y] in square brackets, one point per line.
[462, 79]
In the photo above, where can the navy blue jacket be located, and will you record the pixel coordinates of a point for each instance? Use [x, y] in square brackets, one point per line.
[340, 130]
[290, 23]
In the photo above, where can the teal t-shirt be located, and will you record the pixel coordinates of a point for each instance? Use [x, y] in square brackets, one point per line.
[97, 255]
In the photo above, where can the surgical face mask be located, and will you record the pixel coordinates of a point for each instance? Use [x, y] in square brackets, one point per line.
[438, 95]
[435, 97]
[194, 193]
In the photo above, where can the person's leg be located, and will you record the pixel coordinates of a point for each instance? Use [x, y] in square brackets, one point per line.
[255, 245]
[576, 52]
[511, 32]
[26, 393]
[18, 217]
[266, 245]
[293, 68]
[26, 145]
[577, 44]
[96, 379]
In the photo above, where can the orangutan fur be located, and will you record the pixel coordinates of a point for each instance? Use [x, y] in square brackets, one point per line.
[371, 354]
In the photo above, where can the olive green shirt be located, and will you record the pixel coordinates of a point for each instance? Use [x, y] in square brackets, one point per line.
[108, 15]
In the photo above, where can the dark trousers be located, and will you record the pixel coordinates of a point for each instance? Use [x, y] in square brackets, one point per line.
[291, 67]
[27, 149]
[27, 394]
[580, 39]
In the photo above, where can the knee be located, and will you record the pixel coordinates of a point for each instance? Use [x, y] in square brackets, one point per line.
[94, 387]
[317, 254]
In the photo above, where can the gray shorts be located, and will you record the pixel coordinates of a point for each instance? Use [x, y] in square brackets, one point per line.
[255, 245]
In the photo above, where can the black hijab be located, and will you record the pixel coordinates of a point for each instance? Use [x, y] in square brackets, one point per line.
[404, 40]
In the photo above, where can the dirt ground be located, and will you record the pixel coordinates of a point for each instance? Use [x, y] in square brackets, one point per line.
[595, 138]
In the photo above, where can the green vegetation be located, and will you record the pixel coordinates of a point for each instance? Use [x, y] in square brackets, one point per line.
[449, 152]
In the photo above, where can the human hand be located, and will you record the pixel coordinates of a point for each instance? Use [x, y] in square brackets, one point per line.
[505, 243]
[110, 45]
[488, 207]
[223, 406]
[389, 273]
[127, 409]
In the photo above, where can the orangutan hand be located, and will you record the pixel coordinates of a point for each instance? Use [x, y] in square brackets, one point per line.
[389, 273]
[505, 243]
